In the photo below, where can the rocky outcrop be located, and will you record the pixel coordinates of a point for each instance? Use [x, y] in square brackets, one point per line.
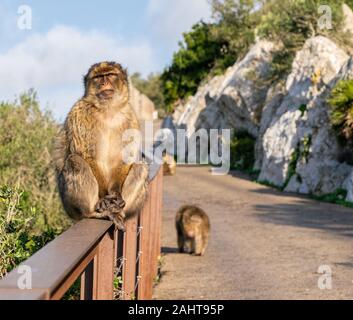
[300, 129]
[143, 106]
[296, 148]
[348, 19]
[188, 114]
[234, 100]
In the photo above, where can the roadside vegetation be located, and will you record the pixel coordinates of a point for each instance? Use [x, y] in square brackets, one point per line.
[242, 152]
[341, 102]
[208, 49]
[30, 209]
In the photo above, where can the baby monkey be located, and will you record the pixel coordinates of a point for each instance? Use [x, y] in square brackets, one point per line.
[193, 229]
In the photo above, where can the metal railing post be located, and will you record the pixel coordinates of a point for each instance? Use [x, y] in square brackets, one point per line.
[104, 268]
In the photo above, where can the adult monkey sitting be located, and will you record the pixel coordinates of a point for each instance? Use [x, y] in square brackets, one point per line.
[93, 179]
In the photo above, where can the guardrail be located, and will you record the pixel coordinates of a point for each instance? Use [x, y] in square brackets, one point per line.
[93, 251]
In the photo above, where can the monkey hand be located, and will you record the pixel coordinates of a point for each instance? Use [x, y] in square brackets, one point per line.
[112, 202]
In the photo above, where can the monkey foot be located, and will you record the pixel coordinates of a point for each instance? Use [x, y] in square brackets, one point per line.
[111, 206]
[119, 223]
[112, 202]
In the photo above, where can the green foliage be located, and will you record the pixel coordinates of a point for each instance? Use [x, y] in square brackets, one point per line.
[290, 23]
[30, 210]
[234, 27]
[301, 152]
[18, 239]
[74, 292]
[208, 49]
[341, 102]
[242, 151]
[160, 273]
[305, 151]
[118, 287]
[26, 145]
[303, 108]
[292, 167]
[337, 197]
[151, 87]
[191, 64]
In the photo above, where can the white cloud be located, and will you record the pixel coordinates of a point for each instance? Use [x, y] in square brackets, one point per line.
[54, 63]
[169, 19]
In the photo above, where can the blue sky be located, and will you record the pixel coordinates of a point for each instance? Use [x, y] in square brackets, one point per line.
[67, 36]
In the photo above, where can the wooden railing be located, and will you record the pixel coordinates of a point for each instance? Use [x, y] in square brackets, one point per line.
[97, 254]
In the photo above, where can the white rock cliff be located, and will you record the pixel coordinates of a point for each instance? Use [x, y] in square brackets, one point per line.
[296, 147]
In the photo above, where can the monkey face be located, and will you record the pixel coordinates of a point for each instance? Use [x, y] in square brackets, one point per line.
[106, 81]
[104, 86]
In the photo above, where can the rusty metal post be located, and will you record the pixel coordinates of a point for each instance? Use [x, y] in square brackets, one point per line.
[104, 267]
[130, 254]
[153, 235]
[144, 244]
[87, 281]
[159, 209]
[61, 262]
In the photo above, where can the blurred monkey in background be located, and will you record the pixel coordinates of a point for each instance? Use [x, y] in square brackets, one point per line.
[193, 229]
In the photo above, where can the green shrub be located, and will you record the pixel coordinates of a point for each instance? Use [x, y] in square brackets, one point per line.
[208, 49]
[291, 23]
[303, 108]
[19, 238]
[30, 210]
[341, 102]
[242, 151]
[151, 87]
[301, 153]
[74, 293]
[191, 64]
[337, 197]
[234, 26]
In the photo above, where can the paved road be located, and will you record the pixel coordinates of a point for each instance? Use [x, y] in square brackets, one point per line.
[264, 244]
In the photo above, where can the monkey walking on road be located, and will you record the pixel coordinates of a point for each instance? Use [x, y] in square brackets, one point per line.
[93, 179]
[193, 229]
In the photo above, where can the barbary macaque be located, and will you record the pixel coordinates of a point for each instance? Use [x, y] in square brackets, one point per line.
[193, 229]
[94, 180]
[169, 165]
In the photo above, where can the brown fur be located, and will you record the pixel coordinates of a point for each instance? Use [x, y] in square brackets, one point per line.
[193, 229]
[93, 180]
[169, 165]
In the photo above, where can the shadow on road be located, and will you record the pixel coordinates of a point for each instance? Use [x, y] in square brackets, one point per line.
[309, 214]
[169, 250]
[241, 175]
[302, 211]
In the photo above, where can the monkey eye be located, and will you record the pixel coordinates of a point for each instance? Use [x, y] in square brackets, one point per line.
[113, 76]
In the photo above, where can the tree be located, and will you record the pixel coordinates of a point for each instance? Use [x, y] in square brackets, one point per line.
[191, 64]
[235, 24]
[151, 87]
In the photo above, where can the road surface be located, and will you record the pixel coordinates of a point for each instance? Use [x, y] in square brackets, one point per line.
[264, 244]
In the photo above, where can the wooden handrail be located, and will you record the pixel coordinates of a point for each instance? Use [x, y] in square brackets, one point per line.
[90, 249]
